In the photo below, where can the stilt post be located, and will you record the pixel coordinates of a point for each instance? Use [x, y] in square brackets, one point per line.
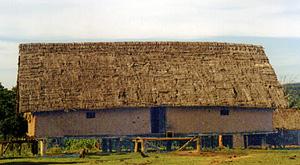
[110, 145]
[136, 145]
[118, 145]
[43, 147]
[198, 146]
[142, 146]
[104, 145]
[220, 139]
[264, 142]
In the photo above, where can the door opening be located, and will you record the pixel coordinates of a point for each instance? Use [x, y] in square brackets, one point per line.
[158, 119]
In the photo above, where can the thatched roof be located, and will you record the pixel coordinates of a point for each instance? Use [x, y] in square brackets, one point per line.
[287, 119]
[138, 74]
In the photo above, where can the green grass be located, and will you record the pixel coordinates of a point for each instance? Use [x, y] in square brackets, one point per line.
[263, 157]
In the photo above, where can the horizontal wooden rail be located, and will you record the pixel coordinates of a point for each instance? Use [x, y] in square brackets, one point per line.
[162, 138]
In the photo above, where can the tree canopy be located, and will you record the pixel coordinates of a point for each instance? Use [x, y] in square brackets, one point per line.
[12, 124]
[292, 91]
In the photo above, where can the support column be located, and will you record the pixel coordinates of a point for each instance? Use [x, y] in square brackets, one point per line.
[198, 146]
[238, 141]
[136, 145]
[142, 146]
[246, 141]
[110, 145]
[264, 142]
[43, 146]
[104, 145]
[298, 138]
[220, 139]
[1, 150]
[118, 145]
[139, 145]
[35, 147]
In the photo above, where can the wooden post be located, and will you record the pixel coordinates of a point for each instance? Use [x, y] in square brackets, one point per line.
[110, 145]
[104, 146]
[186, 144]
[118, 145]
[142, 146]
[43, 146]
[20, 148]
[34, 147]
[298, 137]
[246, 141]
[264, 142]
[136, 149]
[220, 139]
[1, 150]
[198, 146]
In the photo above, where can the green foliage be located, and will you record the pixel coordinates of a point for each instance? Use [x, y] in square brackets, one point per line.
[77, 144]
[13, 151]
[11, 123]
[292, 91]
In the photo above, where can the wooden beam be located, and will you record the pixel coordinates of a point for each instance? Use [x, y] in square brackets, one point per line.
[163, 139]
[186, 144]
[6, 147]
[152, 146]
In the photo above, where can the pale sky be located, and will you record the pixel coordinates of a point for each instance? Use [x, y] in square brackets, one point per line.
[275, 24]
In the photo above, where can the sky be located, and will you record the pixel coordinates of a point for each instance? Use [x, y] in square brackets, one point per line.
[274, 24]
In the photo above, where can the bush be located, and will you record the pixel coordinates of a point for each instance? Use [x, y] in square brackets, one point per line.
[77, 144]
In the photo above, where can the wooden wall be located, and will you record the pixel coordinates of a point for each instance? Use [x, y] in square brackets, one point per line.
[106, 122]
[137, 121]
[209, 120]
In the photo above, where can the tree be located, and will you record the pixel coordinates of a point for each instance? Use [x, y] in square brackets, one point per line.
[12, 124]
[292, 92]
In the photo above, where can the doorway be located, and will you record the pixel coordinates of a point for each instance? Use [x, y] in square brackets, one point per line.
[158, 119]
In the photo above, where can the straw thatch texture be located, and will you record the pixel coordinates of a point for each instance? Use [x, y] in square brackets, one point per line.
[287, 119]
[138, 74]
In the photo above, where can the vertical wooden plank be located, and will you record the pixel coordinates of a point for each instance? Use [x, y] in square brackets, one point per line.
[136, 145]
[220, 139]
[1, 150]
[142, 145]
[298, 137]
[198, 146]
[246, 141]
[43, 146]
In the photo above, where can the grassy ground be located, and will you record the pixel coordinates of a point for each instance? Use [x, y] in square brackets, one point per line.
[264, 157]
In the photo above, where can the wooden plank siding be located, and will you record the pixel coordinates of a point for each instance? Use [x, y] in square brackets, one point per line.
[209, 120]
[137, 121]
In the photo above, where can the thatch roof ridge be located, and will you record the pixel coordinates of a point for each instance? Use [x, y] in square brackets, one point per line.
[78, 44]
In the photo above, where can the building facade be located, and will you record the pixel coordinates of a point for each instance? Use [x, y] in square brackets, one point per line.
[147, 88]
